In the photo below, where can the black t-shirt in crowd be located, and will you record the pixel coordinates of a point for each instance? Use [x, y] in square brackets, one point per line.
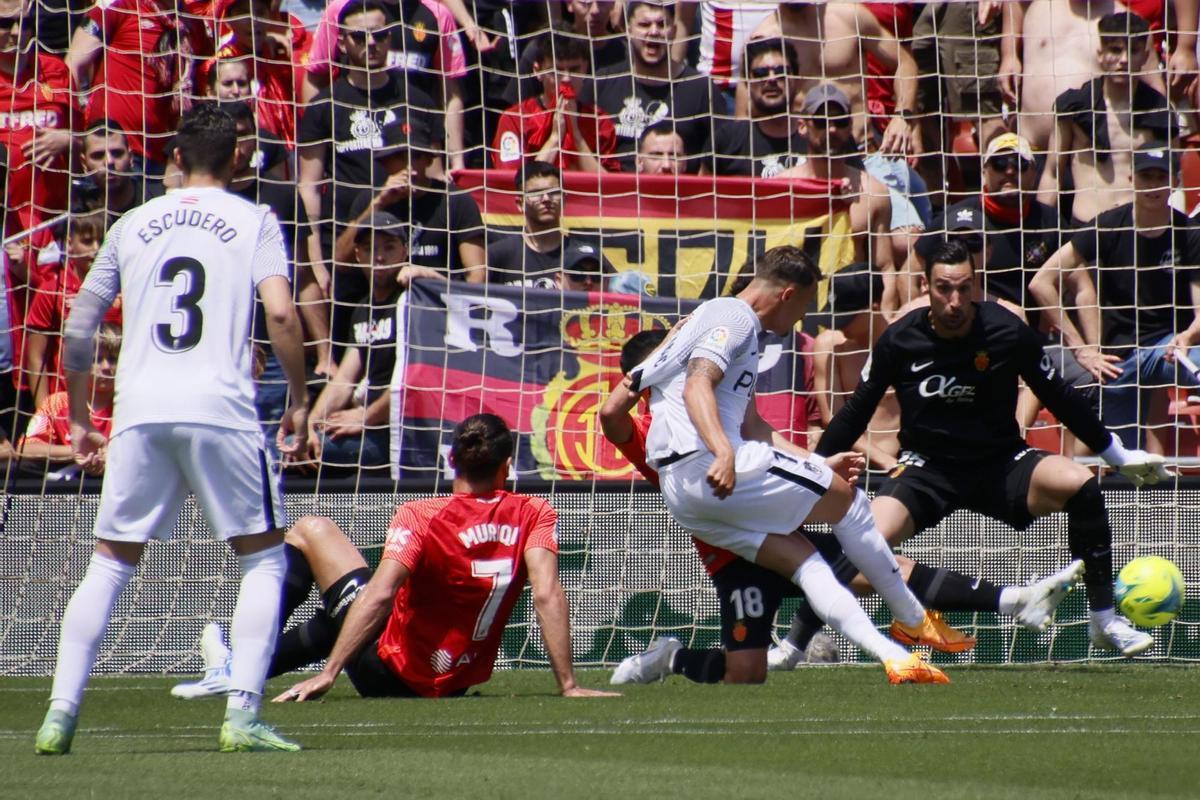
[373, 326]
[958, 397]
[511, 262]
[741, 148]
[416, 40]
[1142, 282]
[636, 103]
[440, 218]
[347, 123]
[1018, 251]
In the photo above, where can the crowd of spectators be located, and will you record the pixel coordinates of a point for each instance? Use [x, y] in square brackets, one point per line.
[1053, 134]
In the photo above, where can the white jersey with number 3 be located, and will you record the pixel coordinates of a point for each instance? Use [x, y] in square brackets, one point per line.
[724, 331]
[188, 265]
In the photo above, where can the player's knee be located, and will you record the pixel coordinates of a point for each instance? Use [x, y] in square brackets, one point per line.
[1087, 500]
[746, 666]
[309, 531]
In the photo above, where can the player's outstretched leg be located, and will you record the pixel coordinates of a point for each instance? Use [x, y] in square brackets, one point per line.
[215, 682]
[834, 603]
[849, 513]
[252, 634]
[111, 568]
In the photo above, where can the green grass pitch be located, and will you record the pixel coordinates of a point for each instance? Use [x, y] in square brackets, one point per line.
[1100, 731]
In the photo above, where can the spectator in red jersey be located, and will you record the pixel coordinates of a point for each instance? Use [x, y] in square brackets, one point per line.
[109, 181]
[37, 116]
[429, 621]
[555, 127]
[48, 437]
[271, 46]
[51, 303]
[133, 57]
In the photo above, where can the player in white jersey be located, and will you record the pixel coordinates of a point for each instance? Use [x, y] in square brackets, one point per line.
[736, 483]
[188, 265]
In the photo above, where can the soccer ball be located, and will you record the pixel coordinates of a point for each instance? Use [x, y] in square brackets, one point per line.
[1149, 591]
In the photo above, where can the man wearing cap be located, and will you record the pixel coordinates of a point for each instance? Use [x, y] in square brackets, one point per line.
[1142, 309]
[1099, 125]
[544, 255]
[768, 143]
[342, 430]
[444, 222]
[826, 125]
[1017, 232]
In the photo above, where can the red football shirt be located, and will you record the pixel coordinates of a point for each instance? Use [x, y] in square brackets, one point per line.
[48, 311]
[714, 559]
[525, 127]
[147, 53]
[466, 556]
[52, 421]
[37, 99]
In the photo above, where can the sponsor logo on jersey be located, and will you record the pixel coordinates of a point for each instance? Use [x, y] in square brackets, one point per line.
[441, 661]
[924, 364]
[948, 388]
[42, 118]
[409, 62]
[982, 361]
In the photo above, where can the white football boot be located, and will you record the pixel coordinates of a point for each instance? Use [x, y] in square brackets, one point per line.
[215, 682]
[1118, 634]
[654, 664]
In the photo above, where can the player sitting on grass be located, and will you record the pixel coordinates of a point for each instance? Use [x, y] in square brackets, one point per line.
[955, 367]
[428, 623]
[749, 595]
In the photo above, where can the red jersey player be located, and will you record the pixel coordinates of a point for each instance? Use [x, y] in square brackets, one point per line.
[429, 621]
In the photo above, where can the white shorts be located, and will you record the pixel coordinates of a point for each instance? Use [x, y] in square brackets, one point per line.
[775, 492]
[152, 467]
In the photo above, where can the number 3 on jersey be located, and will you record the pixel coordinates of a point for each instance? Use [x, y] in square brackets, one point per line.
[500, 571]
[188, 319]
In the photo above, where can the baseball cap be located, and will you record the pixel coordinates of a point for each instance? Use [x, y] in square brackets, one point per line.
[1009, 143]
[825, 94]
[383, 222]
[1152, 156]
[400, 136]
[583, 258]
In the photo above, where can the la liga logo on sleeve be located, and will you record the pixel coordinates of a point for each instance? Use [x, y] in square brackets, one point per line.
[717, 338]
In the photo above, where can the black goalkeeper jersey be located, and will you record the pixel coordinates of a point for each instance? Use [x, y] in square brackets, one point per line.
[958, 397]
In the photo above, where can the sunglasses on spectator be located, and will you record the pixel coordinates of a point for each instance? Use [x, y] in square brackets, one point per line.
[837, 122]
[1004, 163]
[360, 37]
[777, 71]
[8, 23]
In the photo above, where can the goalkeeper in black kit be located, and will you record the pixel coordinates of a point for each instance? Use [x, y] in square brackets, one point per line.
[955, 367]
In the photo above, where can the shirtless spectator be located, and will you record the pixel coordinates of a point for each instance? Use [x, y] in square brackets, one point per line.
[661, 151]
[656, 89]
[554, 126]
[768, 143]
[1101, 124]
[1048, 48]
[841, 351]
[37, 117]
[833, 156]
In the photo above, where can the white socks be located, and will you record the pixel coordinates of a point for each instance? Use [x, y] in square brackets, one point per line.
[255, 626]
[837, 606]
[83, 626]
[866, 548]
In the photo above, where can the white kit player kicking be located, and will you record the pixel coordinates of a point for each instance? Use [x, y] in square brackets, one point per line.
[187, 266]
[735, 483]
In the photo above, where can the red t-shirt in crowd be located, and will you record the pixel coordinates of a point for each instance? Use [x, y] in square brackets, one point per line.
[51, 423]
[37, 99]
[146, 57]
[525, 127]
[48, 309]
[714, 559]
[466, 556]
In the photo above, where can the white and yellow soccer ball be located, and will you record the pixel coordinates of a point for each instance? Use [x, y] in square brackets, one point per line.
[1149, 591]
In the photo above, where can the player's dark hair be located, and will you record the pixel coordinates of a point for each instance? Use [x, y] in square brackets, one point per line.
[206, 140]
[238, 111]
[787, 264]
[636, 4]
[536, 169]
[362, 7]
[638, 347]
[952, 250]
[562, 43]
[1122, 25]
[762, 47]
[482, 444]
